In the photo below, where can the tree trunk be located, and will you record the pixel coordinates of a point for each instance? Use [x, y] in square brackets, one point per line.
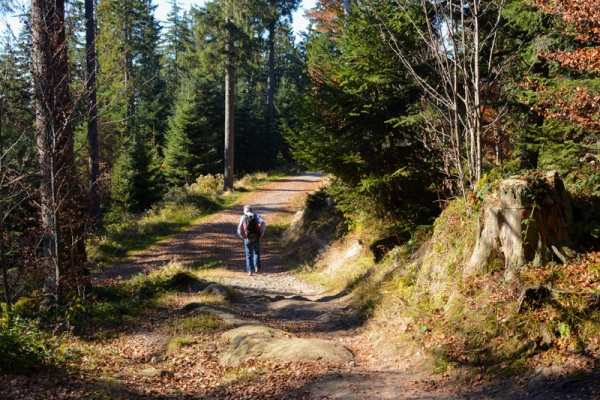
[7, 297]
[229, 116]
[63, 232]
[93, 157]
[524, 221]
[271, 78]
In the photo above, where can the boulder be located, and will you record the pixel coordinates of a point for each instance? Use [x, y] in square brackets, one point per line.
[262, 342]
[215, 289]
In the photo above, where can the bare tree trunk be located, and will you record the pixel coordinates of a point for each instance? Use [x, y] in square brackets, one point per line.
[7, 297]
[453, 44]
[229, 115]
[93, 156]
[271, 77]
[54, 138]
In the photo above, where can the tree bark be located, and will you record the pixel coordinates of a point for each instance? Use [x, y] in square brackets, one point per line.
[63, 232]
[93, 152]
[7, 297]
[271, 78]
[229, 114]
[524, 222]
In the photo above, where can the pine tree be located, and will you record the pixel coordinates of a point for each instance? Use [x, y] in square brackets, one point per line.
[131, 96]
[195, 133]
[177, 48]
[227, 29]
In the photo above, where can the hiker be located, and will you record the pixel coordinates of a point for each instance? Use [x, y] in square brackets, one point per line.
[251, 228]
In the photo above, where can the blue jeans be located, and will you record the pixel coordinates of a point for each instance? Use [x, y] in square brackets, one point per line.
[252, 255]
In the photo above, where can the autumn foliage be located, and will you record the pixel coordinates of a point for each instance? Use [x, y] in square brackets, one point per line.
[582, 23]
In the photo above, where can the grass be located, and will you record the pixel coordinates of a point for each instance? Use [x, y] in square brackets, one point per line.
[193, 324]
[242, 374]
[112, 309]
[177, 343]
[180, 208]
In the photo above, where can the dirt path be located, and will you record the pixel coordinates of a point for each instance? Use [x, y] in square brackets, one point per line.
[312, 315]
[306, 311]
[215, 237]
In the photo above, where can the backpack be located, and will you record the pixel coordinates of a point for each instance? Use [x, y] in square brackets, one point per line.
[251, 228]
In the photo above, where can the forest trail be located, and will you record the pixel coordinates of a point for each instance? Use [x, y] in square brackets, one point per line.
[154, 355]
[214, 238]
[140, 365]
[302, 309]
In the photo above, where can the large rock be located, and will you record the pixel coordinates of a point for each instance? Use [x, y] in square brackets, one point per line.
[523, 221]
[263, 343]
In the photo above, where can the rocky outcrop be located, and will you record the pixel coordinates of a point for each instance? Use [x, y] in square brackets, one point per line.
[262, 342]
[251, 339]
[525, 220]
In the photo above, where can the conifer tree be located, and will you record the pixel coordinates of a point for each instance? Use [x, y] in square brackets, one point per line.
[16, 160]
[273, 14]
[195, 133]
[227, 29]
[356, 123]
[177, 48]
[131, 94]
[60, 210]
[136, 171]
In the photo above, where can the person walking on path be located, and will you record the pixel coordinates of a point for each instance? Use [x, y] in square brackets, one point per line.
[251, 228]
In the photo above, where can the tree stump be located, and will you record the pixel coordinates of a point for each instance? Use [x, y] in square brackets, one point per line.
[525, 220]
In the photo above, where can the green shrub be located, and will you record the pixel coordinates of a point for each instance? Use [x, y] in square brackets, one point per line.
[584, 184]
[23, 346]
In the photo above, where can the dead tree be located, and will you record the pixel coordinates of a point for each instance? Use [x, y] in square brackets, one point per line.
[59, 203]
[454, 38]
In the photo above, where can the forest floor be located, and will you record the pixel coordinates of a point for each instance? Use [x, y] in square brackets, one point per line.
[140, 363]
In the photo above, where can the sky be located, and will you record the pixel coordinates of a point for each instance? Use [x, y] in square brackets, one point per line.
[300, 22]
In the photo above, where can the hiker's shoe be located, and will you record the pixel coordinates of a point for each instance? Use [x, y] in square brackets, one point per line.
[249, 273]
[256, 270]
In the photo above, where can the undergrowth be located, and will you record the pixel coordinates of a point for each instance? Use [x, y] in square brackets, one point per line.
[480, 322]
[23, 346]
[113, 308]
[418, 301]
[31, 340]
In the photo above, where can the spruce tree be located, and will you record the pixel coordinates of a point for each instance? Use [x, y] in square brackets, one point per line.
[355, 122]
[228, 32]
[137, 171]
[195, 133]
[177, 48]
[131, 97]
